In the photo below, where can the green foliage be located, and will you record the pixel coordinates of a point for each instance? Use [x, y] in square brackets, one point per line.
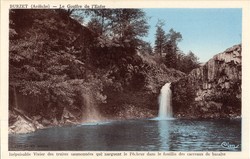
[188, 62]
[58, 62]
[122, 26]
[183, 62]
[166, 44]
[47, 62]
[171, 56]
[145, 48]
[95, 25]
[160, 38]
[171, 48]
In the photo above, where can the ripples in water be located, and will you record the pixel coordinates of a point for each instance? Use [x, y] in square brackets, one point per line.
[135, 135]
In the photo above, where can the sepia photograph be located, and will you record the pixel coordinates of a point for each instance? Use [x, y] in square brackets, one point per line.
[125, 79]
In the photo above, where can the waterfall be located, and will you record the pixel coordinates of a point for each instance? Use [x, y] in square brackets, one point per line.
[90, 113]
[165, 103]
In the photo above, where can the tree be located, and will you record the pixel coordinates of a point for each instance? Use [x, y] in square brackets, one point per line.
[120, 31]
[174, 37]
[95, 26]
[44, 61]
[102, 17]
[160, 38]
[145, 48]
[78, 15]
[190, 62]
[171, 48]
[129, 26]
[123, 26]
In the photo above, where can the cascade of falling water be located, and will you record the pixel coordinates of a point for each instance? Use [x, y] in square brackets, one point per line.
[165, 103]
[90, 114]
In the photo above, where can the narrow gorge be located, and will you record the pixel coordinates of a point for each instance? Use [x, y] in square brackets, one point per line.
[211, 91]
[122, 79]
[62, 72]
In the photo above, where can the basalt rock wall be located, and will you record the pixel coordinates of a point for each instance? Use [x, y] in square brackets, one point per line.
[213, 90]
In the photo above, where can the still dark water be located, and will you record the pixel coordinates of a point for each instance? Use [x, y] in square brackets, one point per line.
[136, 135]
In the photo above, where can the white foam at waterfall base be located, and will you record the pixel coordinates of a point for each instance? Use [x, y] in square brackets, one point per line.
[95, 123]
[165, 103]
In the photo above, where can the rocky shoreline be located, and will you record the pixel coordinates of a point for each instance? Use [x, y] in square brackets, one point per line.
[20, 123]
[24, 124]
[212, 91]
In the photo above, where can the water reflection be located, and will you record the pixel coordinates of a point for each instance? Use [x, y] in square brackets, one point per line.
[163, 128]
[134, 135]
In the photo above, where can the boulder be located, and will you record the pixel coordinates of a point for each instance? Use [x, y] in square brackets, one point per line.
[22, 126]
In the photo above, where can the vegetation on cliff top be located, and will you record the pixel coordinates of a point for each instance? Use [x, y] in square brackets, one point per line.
[54, 61]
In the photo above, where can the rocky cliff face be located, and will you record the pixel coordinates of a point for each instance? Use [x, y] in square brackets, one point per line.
[213, 90]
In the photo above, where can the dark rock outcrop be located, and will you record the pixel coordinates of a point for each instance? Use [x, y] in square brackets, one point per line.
[20, 122]
[213, 90]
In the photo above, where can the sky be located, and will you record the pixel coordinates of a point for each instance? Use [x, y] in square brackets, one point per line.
[205, 32]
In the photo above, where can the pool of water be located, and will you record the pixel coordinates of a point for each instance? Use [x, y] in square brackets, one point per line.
[135, 135]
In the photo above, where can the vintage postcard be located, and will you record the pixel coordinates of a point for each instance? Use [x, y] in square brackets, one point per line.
[125, 79]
